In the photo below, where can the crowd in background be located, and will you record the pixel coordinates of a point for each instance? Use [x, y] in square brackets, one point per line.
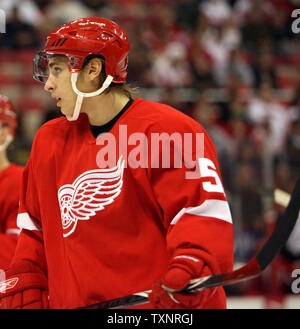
[234, 66]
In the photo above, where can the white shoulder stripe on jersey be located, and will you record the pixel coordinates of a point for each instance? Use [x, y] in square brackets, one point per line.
[24, 221]
[210, 208]
[13, 231]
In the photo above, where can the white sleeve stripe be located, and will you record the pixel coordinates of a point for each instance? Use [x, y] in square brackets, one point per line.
[188, 257]
[24, 221]
[209, 208]
[13, 231]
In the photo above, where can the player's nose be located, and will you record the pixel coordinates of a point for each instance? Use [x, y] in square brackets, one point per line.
[49, 85]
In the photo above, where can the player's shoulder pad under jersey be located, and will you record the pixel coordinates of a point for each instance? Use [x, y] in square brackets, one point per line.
[166, 117]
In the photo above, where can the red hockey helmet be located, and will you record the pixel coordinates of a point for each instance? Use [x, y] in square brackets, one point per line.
[81, 38]
[8, 115]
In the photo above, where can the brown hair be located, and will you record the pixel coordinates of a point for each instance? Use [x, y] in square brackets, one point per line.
[124, 88]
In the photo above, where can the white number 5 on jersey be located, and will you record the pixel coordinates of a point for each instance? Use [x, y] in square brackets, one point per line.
[209, 170]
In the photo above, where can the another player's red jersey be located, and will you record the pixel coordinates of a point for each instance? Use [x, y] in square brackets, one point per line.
[10, 181]
[103, 233]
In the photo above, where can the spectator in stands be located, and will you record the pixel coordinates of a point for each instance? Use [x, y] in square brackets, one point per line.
[251, 208]
[264, 67]
[19, 34]
[219, 42]
[62, 11]
[255, 30]
[171, 67]
[266, 113]
[217, 11]
[237, 65]
[29, 12]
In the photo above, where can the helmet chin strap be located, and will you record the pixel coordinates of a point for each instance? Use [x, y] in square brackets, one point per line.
[8, 140]
[81, 95]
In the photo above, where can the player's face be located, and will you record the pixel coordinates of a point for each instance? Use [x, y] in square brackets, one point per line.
[59, 84]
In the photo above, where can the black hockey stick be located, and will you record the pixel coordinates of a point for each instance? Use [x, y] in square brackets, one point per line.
[252, 269]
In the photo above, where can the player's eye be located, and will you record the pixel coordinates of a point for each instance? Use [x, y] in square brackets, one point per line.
[57, 69]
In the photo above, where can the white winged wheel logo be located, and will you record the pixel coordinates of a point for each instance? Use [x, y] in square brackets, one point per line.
[89, 193]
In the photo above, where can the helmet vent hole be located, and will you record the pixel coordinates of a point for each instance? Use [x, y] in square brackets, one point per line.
[117, 43]
[58, 43]
[105, 36]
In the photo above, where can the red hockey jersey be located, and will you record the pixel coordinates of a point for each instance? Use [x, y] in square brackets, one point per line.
[104, 232]
[10, 182]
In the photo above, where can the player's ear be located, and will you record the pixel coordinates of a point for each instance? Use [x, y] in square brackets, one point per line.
[94, 69]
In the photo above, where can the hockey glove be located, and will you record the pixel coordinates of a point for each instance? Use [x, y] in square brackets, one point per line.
[183, 268]
[24, 287]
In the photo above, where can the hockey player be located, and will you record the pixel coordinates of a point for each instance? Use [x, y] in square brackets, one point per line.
[10, 180]
[100, 218]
